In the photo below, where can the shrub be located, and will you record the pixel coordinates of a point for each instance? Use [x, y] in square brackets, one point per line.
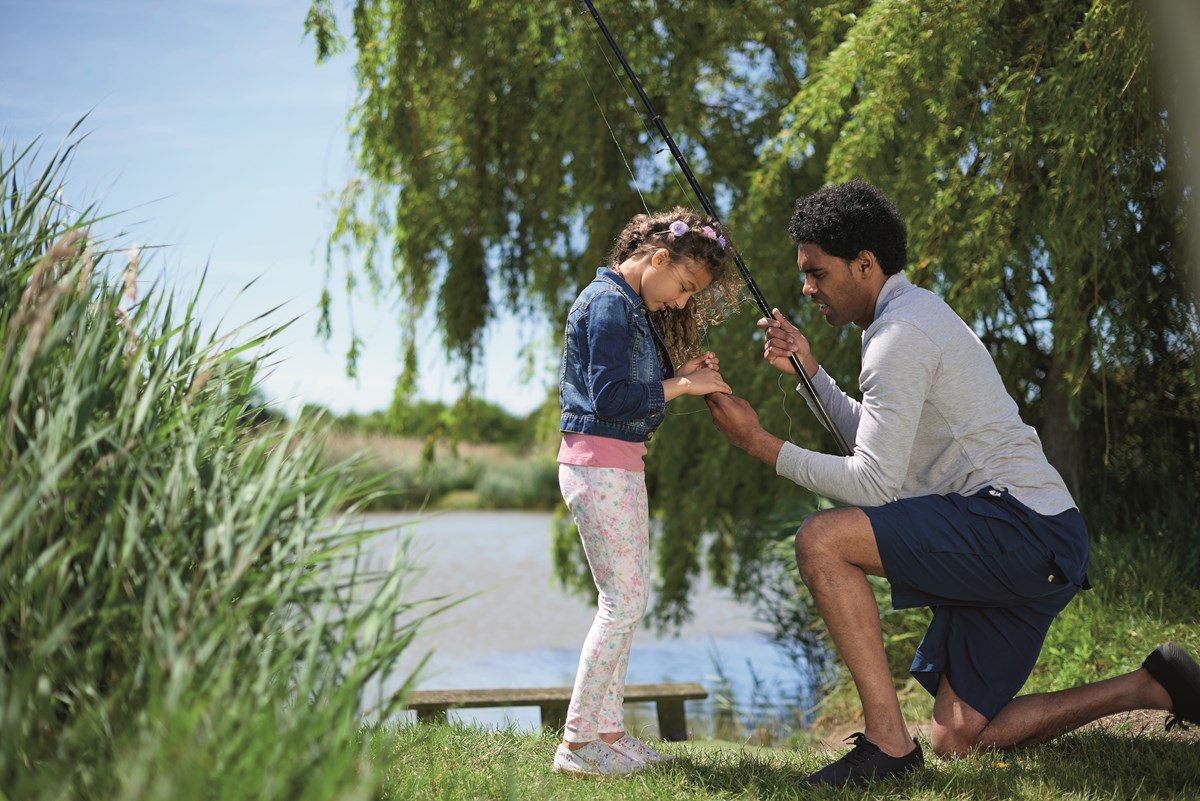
[530, 483]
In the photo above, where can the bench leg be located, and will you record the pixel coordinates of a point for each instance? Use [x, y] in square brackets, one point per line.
[554, 716]
[672, 722]
[434, 714]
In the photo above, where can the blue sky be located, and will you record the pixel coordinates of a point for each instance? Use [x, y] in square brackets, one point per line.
[213, 131]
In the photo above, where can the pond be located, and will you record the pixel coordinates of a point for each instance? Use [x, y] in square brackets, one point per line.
[518, 628]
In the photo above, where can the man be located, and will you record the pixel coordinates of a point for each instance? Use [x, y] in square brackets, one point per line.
[950, 498]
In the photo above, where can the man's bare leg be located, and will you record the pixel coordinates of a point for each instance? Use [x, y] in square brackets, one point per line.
[835, 551]
[1031, 719]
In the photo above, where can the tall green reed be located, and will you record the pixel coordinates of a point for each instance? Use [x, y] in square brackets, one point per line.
[180, 614]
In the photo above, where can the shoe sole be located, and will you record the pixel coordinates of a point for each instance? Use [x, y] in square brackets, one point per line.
[647, 763]
[1172, 667]
[575, 774]
[581, 774]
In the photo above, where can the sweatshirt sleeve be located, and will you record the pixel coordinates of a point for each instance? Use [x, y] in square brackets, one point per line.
[843, 410]
[899, 365]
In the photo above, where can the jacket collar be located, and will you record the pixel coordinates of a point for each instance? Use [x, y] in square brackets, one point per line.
[610, 275]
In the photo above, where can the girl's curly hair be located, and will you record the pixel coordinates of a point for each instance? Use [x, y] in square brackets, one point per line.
[682, 329]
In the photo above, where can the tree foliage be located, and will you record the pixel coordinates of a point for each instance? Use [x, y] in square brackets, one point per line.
[1028, 147]
[471, 420]
[1026, 143]
[497, 149]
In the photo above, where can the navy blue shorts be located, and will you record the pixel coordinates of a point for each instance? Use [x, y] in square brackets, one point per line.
[995, 574]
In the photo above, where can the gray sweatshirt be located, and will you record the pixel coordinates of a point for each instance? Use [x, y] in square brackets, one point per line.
[934, 418]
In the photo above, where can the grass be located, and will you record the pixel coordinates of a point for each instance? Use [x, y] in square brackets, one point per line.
[455, 762]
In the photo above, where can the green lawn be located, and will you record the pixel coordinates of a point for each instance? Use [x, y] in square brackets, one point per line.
[458, 762]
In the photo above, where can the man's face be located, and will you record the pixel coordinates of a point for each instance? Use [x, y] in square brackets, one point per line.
[838, 286]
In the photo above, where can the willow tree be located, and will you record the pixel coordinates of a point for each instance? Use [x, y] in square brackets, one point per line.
[1027, 144]
[500, 153]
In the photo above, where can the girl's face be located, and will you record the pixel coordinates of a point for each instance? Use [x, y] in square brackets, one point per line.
[668, 282]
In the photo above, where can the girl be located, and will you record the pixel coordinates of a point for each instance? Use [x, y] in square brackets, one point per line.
[616, 379]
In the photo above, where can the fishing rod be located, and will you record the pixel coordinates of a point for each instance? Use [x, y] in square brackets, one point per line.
[822, 412]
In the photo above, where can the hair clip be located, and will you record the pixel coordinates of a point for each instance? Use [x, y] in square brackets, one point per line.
[679, 228]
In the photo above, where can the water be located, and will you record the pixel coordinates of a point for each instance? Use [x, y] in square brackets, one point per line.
[520, 629]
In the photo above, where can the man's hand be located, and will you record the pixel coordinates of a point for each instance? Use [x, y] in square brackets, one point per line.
[738, 421]
[784, 340]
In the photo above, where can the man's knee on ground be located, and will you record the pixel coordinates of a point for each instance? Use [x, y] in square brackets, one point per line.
[956, 726]
[949, 741]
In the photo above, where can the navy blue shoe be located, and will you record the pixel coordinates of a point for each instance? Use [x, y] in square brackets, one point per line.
[865, 763]
[1178, 673]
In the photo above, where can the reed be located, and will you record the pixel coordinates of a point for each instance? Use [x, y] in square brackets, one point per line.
[179, 617]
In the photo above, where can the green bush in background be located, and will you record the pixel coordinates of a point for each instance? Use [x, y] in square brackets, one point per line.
[527, 484]
[178, 616]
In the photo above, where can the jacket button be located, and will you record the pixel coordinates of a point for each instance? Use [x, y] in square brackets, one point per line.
[1050, 577]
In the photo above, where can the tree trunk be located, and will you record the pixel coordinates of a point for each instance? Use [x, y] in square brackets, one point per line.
[1060, 436]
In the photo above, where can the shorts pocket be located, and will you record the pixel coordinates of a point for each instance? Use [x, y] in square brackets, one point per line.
[1030, 572]
[995, 530]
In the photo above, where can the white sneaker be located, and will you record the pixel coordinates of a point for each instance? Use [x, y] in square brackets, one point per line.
[594, 759]
[635, 749]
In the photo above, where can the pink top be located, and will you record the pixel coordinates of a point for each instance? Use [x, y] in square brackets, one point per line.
[594, 451]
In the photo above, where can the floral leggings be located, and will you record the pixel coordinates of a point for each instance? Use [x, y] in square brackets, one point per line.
[610, 510]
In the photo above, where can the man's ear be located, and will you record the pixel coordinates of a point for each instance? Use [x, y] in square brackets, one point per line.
[865, 260]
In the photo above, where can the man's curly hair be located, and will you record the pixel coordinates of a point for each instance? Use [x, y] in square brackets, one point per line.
[846, 219]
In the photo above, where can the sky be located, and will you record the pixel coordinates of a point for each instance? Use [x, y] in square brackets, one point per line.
[211, 130]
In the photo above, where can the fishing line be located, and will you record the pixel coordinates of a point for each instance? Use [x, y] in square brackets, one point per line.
[670, 411]
[613, 134]
[641, 118]
[786, 394]
[809, 390]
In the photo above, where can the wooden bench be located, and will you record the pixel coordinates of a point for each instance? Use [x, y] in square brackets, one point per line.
[431, 705]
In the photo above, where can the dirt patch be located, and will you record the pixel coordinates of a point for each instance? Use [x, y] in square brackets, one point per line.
[1145, 723]
[1139, 723]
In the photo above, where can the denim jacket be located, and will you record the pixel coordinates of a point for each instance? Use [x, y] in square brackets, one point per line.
[614, 363]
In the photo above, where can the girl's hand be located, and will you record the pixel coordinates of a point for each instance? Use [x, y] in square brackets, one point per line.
[700, 381]
[784, 340]
[699, 362]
